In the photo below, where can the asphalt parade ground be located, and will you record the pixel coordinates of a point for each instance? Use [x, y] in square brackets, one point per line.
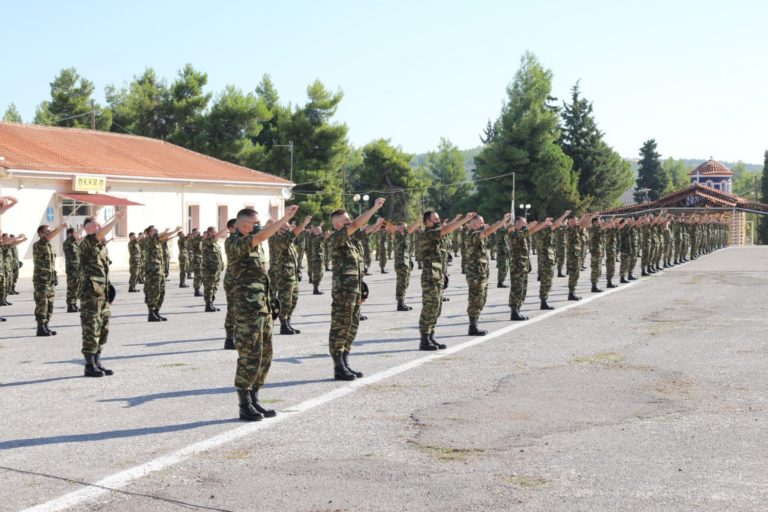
[651, 396]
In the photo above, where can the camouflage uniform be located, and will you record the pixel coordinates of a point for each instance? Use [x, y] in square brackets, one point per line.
[432, 277]
[596, 248]
[94, 307]
[403, 264]
[166, 258]
[478, 272]
[154, 273]
[365, 242]
[301, 247]
[183, 258]
[381, 251]
[519, 267]
[417, 245]
[345, 293]
[626, 245]
[134, 263]
[212, 264]
[573, 256]
[253, 321]
[195, 247]
[229, 285]
[611, 236]
[634, 251]
[16, 267]
[142, 257]
[4, 281]
[546, 261]
[645, 246]
[315, 257]
[502, 257]
[43, 279]
[326, 252]
[560, 249]
[72, 266]
[286, 272]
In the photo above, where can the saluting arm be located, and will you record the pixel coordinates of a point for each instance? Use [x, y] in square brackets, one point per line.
[298, 229]
[273, 227]
[106, 228]
[363, 219]
[50, 236]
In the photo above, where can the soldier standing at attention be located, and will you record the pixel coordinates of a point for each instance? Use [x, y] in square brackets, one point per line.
[183, 260]
[44, 277]
[573, 257]
[154, 271]
[403, 262]
[94, 293]
[433, 275]
[546, 257]
[611, 238]
[195, 247]
[560, 249]
[478, 267]
[287, 272]
[134, 261]
[72, 267]
[502, 259]
[16, 262]
[520, 264]
[315, 257]
[347, 288]
[381, 251]
[596, 247]
[9, 266]
[624, 242]
[212, 265]
[253, 310]
[229, 283]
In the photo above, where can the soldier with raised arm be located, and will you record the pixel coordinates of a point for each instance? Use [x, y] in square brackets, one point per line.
[44, 277]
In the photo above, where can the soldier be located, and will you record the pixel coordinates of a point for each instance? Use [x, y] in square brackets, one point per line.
[166, 258]
[212, 265]
[381, 250]
[502, 259]
[611, 239]
[596, 247]
[301, 247]
[229, 283]
[520, 264]
[183, 259]
[478, 267]
[347, 288]
[17, 264]
[9, 270]
[433, 274]
[142, 245]
[560, 249]
[134, 261]
[624, 241]
[546, 256]
[417, 245]
[365, 241]
[327, 250]
[94, 293]
[154, 271]
[253, 309]
[287, 272]
[573, 257]
[195, 248]
[315, 257]
[72, 266]
[44, 277]
[403, 262]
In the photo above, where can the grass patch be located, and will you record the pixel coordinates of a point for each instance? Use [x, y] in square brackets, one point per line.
[599, 358]
[526, 482]
[173, 365]
[447, 453]
[237, 455]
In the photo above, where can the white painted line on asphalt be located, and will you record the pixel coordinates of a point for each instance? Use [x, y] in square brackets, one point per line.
[124, 478]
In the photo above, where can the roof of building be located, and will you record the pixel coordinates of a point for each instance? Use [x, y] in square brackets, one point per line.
[711, 168]
[76, 151]
[714, 197]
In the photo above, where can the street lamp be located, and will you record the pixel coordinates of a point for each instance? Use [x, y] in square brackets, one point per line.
[526, 207]
[290, 149]
[356, 198]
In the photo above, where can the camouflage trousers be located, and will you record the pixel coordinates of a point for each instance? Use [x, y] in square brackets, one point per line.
[73, 287]
[546, 274]
[229, 320]
[573, 266]
[197, 268]
[382, 259]
[315, 271]
[300, 256]
[166, 267]
[559, 258]
[431, 299]
[44, 295]
[610, 265]
[327, 259]
[632, 262]
[345, 318]
[596, 266]
[518, 285]
[154, 289]
[183, 269]
[94, 320]
[645, 257]
[477, 294]
[211, 280]
[403, 279]
[253, 340]
[624, 265]
[287, 289]
[133, 268]
[502, 268]
[3, 286]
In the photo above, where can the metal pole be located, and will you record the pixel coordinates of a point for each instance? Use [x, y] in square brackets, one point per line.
[290, 148]
[512, 211]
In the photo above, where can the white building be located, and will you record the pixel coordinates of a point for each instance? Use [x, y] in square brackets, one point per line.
[65, 174]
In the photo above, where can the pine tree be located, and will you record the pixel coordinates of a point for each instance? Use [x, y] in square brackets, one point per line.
[71, 104]
[12, 115]
[652, 180]
[763, 229]
[445, 168]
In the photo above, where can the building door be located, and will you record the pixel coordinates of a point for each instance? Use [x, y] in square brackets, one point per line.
[193, 217]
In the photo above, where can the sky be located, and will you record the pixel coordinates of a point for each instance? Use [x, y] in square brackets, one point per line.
[690, 74]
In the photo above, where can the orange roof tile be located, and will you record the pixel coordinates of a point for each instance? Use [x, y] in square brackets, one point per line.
[711, 168]
[717, 197]
[77, 151]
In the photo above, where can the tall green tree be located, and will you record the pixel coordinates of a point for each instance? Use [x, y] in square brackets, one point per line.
[652, 181]
[187, 105]
[525, 141]
[602, 174]
[71, 103]
[143, 107]
[12, 114]
[763, 229]
[677, 170]
[445, 169]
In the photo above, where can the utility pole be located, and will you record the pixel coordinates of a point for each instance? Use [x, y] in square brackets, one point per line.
[93, 115]
[512, 206]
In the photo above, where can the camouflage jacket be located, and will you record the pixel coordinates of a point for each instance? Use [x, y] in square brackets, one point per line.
[346, 261]
[286, 258]
[519, 259]
[182, 245]
[211, 255]
[403, 249]
[477, 255]
[94, 268]
[249, 276]
[71, 255]
[545, 239]
[44, 260]
[134, 252]
[153, 259]
[316, 247]
[573, 239]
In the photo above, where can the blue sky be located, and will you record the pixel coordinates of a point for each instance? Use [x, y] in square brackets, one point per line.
[692, 75]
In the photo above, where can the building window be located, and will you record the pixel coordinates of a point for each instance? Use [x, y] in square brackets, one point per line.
[72, 208]
[274, 212]
[710, 184]
[223, 212]
[121, 228]
[193, 217]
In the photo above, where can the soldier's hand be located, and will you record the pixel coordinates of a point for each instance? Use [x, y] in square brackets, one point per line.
[291, 211]
[307, 220]
[471, 215]
[379, 203]
[567, 212]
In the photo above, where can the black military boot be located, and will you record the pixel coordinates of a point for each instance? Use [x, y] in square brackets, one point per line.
[97, 363]
[573, 296]
[402, 306]
[643, 273]
[595, 289]
[189, 275]
[3, 319]
[630, 277]
[183, 283]
[210, 308]
[4, 302]
[340, 372]
[345, 360]
[42, 331]
[162, 318]
[560, 273]
[545, 305]
[426, 343]
[152, 316]
[441, 346]
[610, 284]
[247, 411]
[362, 317]
[91, 370]
[623, 280]
[72, 308]
[267, 413]
[516, 315]
[284, 329]
[52, 333]
[229, 340]
[132, 289]
[197, 292]
[295, 330]
[502, 285]
[384, 271]
[473, 330]
[317, 290]
[446, 299]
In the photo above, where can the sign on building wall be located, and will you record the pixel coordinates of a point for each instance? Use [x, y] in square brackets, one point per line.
[86, 183]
